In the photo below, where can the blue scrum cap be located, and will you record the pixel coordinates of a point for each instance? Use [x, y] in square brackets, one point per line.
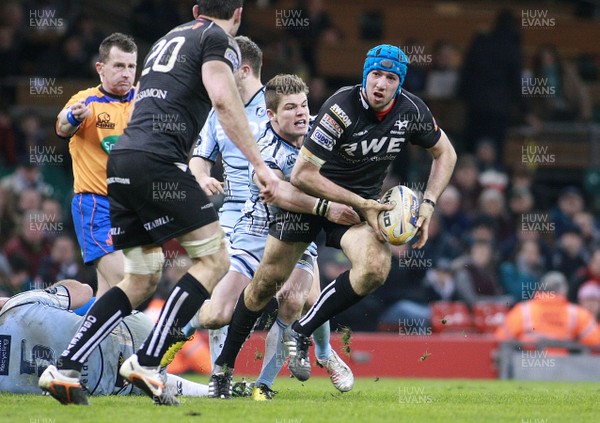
[387, 58]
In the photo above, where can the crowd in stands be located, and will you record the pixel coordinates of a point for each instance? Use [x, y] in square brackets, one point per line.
[496, 229]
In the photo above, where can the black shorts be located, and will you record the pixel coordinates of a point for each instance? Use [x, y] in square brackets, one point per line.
[153, 200]
[299, 227]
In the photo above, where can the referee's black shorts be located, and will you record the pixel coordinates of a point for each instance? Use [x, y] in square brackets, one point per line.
[153, 200]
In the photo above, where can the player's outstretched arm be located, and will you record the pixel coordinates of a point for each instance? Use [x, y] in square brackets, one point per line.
[228, 106]
[73, 295]
[444, 159]
[291, 198]
[79, 293]
[307, 177]
[201, 170]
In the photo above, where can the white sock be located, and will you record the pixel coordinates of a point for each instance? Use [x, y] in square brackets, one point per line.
[216, 340]
[180, 386]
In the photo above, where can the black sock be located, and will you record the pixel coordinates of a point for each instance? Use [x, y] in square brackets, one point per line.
[106, 313]
[269, 315]
[241, 325]
[335, 298]
[183, 302]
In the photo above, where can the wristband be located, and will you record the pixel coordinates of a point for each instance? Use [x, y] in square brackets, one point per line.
[428, 201]
[72, 120]
[321, 207]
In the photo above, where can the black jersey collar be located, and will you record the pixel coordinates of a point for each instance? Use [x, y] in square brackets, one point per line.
[368, 110]
[261, 90]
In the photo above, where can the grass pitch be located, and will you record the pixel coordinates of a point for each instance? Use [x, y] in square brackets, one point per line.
[371, 400]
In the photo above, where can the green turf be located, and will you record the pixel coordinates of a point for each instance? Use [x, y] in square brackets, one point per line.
[383, 400]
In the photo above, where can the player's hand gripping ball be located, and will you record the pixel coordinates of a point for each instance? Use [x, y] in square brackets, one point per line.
[398, 226]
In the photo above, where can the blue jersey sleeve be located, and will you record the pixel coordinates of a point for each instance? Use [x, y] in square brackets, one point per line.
[207, 145]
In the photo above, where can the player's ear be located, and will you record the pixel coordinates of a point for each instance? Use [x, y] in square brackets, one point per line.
[244, 71]
[237, 15]
[99, 68]
[195, 11]
[272, 116]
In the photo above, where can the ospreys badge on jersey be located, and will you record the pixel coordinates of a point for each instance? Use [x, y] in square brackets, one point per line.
[233, 58]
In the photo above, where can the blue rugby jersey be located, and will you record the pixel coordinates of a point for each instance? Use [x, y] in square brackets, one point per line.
[35, 328]
[212, 140]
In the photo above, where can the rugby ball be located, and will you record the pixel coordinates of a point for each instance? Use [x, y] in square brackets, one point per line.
[398, 226]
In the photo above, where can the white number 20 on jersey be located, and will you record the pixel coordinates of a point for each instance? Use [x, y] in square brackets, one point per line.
[163, 56]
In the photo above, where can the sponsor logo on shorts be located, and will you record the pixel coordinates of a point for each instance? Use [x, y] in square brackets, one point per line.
[116, 231]
[329, 123]
[4, 354]
[342, 116]
[157, 222]
[321, 138]
[117, 180]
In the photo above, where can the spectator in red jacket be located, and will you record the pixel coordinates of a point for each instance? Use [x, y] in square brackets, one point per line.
[30, 242]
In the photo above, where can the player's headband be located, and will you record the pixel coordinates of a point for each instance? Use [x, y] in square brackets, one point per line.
[387, 58]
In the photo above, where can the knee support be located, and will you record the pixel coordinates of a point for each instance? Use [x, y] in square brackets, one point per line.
[205, 247]
[139, 263]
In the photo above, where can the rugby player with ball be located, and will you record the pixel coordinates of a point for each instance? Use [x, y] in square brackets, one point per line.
[358, 132]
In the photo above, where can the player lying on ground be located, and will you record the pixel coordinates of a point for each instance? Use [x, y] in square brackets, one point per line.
[36, 325]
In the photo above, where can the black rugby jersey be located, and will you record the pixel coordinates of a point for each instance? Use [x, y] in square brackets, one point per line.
[357, 147]
[172, 103]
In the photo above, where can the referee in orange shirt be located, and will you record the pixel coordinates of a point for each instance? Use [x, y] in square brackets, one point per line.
[93, 120]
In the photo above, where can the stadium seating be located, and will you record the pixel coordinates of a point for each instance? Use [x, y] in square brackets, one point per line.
[451, 316]
[488, 316]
